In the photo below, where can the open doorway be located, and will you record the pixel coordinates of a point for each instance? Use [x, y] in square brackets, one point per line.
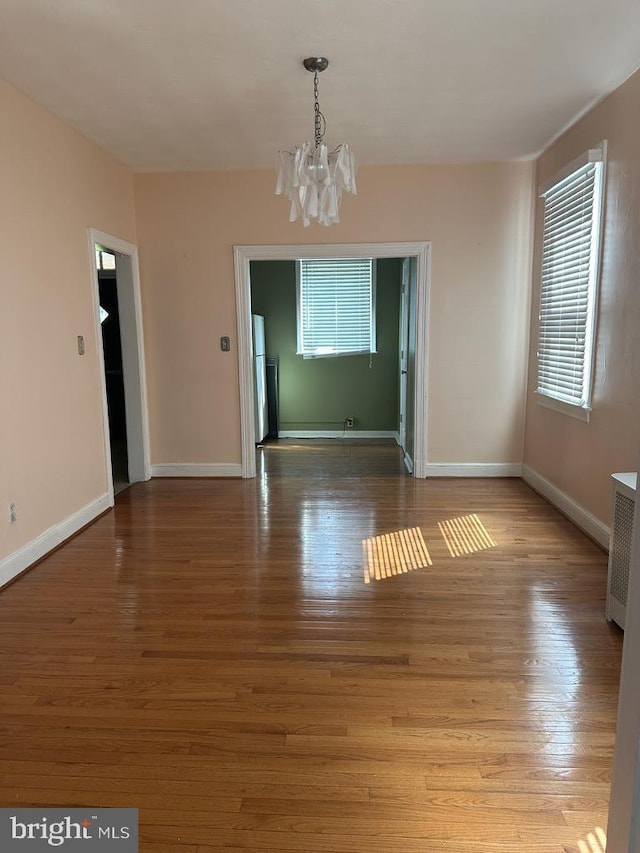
[120, 352]
[113, 368]
[336, 336]
[244, 255]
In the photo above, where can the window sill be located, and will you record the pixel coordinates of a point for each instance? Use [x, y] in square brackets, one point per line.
[306, 355]
[577, 412]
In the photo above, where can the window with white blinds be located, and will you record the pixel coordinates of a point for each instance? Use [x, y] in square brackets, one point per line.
[568, 294]
[336, 306]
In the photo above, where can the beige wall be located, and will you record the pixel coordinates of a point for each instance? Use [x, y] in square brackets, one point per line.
[55, 185]
[478, 219]
[578, 457]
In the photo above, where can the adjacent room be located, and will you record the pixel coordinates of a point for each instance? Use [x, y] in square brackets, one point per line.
[319, 458]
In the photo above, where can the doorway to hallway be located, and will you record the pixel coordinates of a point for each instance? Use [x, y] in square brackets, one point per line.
[119, 340]
[113, 368]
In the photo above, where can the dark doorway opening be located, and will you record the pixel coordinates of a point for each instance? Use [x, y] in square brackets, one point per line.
[114, 378]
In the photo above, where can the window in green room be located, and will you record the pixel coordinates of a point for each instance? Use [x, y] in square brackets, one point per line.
[335, 307]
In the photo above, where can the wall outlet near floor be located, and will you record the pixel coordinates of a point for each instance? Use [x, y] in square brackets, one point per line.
[348, 422]
[13, 514]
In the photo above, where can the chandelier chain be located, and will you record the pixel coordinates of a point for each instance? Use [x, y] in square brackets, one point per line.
[319, 119]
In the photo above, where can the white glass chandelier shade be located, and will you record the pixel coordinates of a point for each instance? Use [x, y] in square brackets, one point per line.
[313, 180]
[313, 177]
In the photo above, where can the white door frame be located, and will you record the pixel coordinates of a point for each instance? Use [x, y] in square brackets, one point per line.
[243, 255]
[133, 366]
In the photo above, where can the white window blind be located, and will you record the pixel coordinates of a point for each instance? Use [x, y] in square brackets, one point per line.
[336, 306]
[570, 260]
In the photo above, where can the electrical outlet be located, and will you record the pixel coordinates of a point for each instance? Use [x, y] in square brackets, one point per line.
[348, 422]
[13, 515]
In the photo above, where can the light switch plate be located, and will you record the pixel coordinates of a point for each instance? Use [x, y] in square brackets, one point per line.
[225, 343]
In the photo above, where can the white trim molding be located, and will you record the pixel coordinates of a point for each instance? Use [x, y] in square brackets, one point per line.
[243, 255]
[580, 413]
[581, 517]
[22, 559]
[204, 469]
[473, 469]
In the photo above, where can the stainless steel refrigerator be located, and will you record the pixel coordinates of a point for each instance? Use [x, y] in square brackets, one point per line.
[260, 373]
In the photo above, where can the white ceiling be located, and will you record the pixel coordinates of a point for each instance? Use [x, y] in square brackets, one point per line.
[219, 84]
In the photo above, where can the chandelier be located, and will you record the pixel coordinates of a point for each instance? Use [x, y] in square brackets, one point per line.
[312, 177]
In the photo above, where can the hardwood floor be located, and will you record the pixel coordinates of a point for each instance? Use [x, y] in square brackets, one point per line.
[210, 653]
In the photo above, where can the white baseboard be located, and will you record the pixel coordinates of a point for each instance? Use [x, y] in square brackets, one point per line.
[336, 433]
[473, 469]
[580, 516]
[205, 469]
[33, 551]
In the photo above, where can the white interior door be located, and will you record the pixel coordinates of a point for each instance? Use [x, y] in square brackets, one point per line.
[404, 345]
[131, 369]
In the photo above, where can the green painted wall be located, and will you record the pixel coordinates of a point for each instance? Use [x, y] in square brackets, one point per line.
[318, 394]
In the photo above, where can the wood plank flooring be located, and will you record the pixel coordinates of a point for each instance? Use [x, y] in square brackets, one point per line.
[211, 653]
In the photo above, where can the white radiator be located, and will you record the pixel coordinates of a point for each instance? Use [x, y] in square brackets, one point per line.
[624, 501]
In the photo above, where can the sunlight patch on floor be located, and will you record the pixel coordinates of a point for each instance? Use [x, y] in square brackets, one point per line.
[595, 842]
[394, 554]
[465, 535]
